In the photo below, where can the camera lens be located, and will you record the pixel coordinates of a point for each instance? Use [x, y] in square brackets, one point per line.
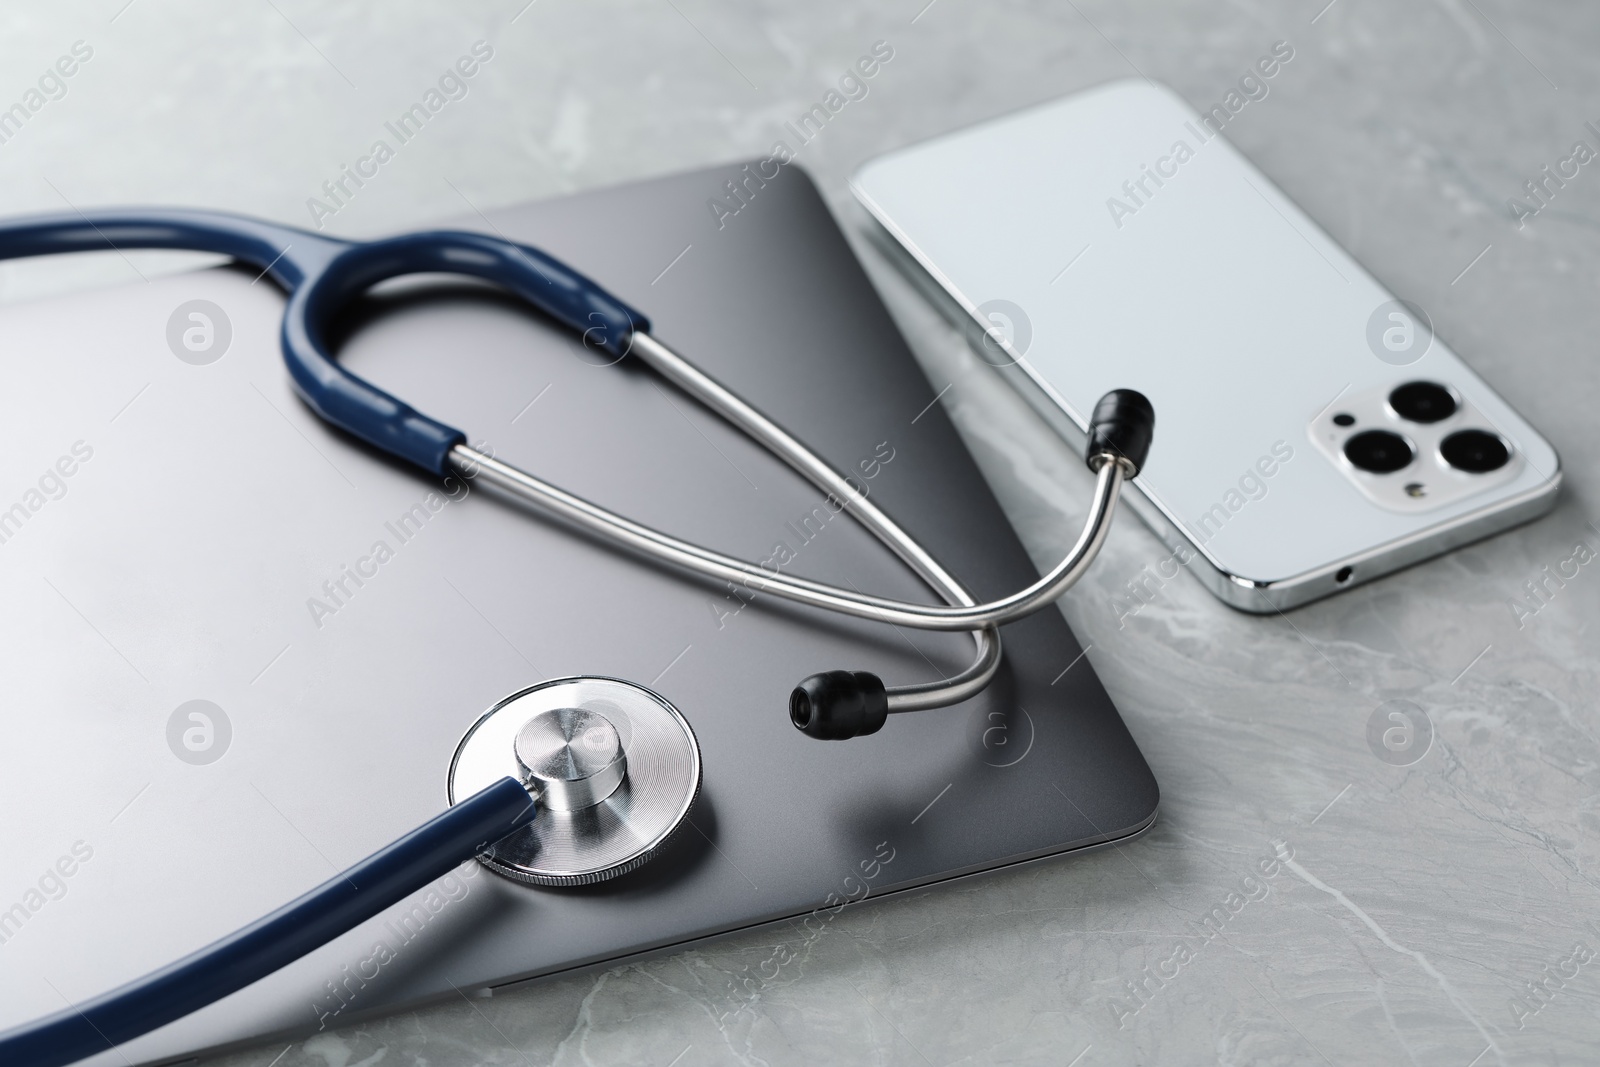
[1475, 451]
[1422, 402]
[1379, 451]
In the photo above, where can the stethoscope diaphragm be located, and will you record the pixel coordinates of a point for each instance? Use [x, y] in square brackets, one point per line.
[615, 769]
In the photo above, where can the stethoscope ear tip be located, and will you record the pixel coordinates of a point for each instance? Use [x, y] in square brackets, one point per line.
[1122, 428]
[839, 705]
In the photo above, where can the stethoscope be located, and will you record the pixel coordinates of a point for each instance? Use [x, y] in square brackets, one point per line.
[614, 767]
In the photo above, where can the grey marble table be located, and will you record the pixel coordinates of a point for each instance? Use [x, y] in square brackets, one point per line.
[1438, 913]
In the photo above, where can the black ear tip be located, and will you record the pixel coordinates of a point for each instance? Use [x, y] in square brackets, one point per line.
[838, 705]
[1123, 425]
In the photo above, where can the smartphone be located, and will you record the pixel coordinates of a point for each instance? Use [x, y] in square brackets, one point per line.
[1312, 432]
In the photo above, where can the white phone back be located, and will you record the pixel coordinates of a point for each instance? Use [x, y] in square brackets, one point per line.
[1210, 292]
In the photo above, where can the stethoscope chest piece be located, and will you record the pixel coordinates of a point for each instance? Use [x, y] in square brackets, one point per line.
[614, 768]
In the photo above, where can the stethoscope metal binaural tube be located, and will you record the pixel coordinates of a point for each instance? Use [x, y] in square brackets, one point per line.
[914, 697]
[713, 564]
[964, 613]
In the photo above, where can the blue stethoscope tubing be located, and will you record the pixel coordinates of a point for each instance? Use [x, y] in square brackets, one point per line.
[226, 966]
[321, 275]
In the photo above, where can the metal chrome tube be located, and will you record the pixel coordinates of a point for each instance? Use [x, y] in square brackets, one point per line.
[714, 564]
[961, 613]
[710, 392]
[663, 547]
[808, 464]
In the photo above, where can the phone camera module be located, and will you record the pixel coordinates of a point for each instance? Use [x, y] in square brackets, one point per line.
[1379, 451]
[1414, 445]
[1422, 402]
[1474, 451]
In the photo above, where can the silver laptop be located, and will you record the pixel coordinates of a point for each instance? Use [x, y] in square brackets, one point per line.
[205, 714]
